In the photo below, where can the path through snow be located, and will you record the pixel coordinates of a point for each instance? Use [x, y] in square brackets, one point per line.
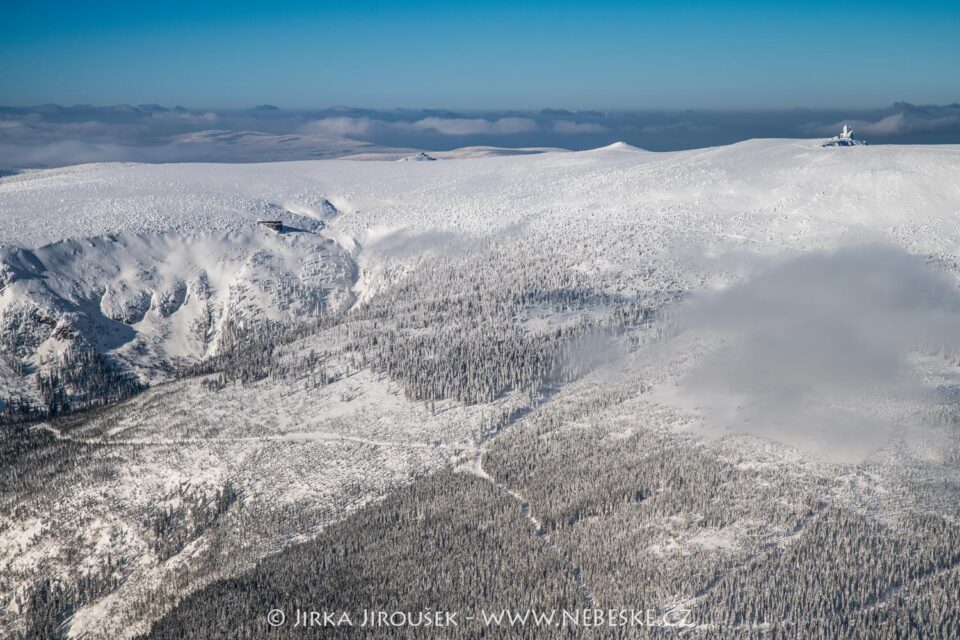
[476, 468]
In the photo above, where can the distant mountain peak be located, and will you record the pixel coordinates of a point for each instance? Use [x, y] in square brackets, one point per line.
[620, 145]
[423, 156]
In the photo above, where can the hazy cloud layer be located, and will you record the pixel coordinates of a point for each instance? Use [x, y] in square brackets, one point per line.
[475, 126]
[819, 351]
[48, 135]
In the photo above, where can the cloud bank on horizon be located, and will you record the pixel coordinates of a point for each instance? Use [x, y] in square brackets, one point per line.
[52, 135]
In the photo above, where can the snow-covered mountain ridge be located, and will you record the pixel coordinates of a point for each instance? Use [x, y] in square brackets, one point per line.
[145, 263]
[776, 177]
[515, 318]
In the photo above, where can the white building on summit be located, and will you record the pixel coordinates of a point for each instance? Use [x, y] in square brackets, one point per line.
[845, 139]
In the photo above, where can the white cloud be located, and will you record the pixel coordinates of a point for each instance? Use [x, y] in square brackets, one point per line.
[342, 126]
[895, 124]
[186, 117]
[569, 127]
[476, 126]
[818, 349]
[683, 125]
[909, 120]
[350, 126]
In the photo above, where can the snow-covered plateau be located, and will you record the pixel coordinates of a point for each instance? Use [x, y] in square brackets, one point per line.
[638, 379]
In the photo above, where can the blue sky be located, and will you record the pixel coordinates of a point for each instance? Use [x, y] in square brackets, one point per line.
[489, 55]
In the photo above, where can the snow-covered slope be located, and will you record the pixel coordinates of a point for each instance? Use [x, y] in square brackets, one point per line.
[149, 300]
[786, 183]
[148, 266]
[147, 261]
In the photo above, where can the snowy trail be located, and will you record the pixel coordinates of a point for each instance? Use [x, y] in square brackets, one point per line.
[295, 438]
[476, 468]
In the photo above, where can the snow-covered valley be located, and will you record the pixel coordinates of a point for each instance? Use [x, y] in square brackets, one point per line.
[516, 328]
